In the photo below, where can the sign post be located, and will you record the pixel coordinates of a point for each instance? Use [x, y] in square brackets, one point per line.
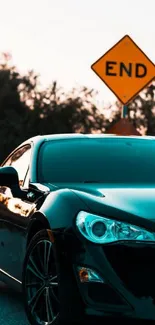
[124, 113]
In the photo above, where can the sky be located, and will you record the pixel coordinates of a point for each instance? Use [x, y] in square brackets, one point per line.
[61, 39]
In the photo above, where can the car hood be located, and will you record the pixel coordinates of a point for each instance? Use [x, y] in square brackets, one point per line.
[119, 201]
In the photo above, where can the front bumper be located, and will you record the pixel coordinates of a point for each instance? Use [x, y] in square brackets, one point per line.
[128, 272]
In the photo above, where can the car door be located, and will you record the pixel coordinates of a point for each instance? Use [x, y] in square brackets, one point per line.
[14, 217]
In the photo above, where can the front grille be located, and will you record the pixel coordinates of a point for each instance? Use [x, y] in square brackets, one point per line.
[135, 266]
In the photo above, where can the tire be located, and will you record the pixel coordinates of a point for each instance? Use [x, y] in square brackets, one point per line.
[49, 291]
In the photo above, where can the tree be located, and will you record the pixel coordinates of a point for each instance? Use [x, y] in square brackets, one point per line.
[27, 110]
[141, 111]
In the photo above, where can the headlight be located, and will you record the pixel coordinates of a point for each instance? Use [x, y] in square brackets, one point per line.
[103, 230]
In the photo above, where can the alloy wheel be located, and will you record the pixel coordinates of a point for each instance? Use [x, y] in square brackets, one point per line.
[41, 283]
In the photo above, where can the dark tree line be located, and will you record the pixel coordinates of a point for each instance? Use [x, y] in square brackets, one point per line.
[27, 110]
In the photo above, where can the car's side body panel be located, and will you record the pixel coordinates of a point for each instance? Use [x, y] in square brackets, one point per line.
[14, 221]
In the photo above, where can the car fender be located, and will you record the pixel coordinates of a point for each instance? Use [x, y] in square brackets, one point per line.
[60, 208]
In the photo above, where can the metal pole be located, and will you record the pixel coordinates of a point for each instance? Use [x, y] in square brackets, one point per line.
[124, 111]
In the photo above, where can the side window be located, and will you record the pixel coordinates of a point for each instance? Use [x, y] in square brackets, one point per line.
[20, 160]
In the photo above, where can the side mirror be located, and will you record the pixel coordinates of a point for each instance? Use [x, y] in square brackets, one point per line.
[9, 178]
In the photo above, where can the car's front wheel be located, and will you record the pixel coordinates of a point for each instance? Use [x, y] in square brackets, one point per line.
[41, 282]
[50, 291]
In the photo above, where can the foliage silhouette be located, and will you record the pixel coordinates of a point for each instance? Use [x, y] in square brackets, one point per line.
[26, 109]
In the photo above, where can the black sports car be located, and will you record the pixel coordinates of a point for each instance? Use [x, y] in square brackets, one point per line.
[77, 226]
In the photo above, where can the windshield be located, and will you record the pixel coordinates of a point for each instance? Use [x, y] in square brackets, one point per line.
[107, 160]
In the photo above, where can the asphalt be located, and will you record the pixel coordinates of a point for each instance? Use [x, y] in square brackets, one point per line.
[11, 307]
[12, 310]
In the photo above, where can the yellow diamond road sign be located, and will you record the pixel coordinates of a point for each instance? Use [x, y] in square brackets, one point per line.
[125, 69]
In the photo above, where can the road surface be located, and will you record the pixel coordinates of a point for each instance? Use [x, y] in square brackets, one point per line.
[11, 307]
[12, 311]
